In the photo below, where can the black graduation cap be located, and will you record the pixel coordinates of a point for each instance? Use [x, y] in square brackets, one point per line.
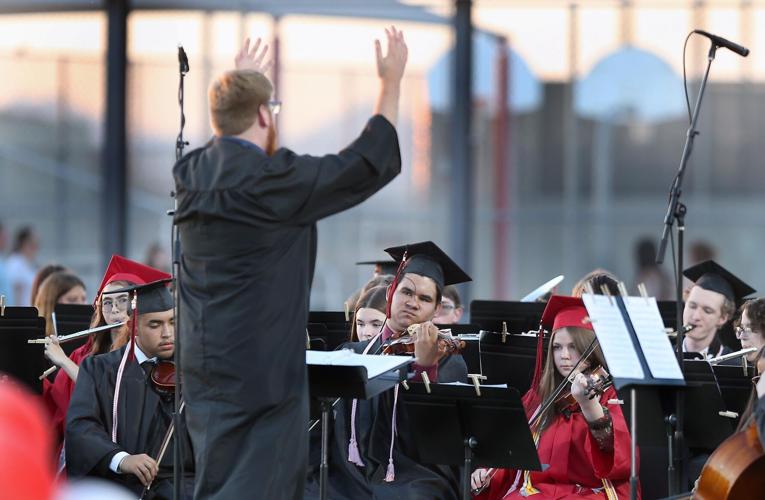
[711, 276]
[151, 297]
[386, 266]
[427, 259]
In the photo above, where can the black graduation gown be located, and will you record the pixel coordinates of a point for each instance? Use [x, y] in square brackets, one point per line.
[248, 232]
[141, 427]
[413, 480]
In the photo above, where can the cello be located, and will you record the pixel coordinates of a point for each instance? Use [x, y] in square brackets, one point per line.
[736, 469]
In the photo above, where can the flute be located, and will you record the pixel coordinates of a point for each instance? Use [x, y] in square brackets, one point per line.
[77, 335]
[733, 355]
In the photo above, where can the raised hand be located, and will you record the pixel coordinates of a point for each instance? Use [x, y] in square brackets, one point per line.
[253, 58]
[390, 67]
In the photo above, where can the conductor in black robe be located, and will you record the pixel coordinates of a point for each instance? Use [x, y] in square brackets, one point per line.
[364, 460]
[128, 453]
[247, 218]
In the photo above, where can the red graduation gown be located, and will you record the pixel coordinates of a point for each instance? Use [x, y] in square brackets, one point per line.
[57, 394]
[577, 467]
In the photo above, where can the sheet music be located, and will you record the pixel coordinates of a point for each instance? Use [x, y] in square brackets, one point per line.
[615, 341]
[375, 364]
[649, 327]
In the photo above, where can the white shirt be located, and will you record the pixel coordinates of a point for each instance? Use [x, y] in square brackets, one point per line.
[140, 357]
[20, 273]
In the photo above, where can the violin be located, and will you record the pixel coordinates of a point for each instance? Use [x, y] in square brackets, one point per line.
[163, 377]
[447, 344]
[598, 380]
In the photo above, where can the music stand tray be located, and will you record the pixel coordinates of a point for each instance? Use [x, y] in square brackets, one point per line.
[345, 374]
[464, 428]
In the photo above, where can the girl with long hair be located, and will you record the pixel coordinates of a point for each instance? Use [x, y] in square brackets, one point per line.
[586, 443]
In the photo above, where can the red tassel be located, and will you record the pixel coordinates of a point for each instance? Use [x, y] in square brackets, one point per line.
[394, 285]
[538, 362]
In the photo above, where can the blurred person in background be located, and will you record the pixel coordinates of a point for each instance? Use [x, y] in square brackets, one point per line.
[656, 280]
[5, 285]
[21, 267]
[597, 278]
[43, 273]
[158, 258]
[450, 311]
[62, 287]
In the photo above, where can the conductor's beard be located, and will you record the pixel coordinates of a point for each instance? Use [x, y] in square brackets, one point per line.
[271, 144]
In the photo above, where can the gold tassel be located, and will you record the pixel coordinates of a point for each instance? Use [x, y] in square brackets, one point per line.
[610, 490]
[528, 489]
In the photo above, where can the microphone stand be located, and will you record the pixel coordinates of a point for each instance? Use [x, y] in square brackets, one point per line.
[180, 143]
[676, 211]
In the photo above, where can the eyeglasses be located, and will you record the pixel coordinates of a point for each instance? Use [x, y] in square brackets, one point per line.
[740, 330]
[275, 106]
[120, 303]
[756, 379]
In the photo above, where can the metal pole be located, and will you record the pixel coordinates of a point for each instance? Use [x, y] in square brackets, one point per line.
[114, 160]
[633, 445]
[461, 201]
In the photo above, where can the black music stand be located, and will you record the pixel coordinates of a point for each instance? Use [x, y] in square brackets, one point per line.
[519, 316]
[327, 337]
[328, 382]
[18, 358]
[72, 318]
[708, 428]
[509, 359]
[462, 428]
[735, 385]
[633, 383]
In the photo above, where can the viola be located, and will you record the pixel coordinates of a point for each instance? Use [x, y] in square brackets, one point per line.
[447, 344]
[163, 377]
[598, 380]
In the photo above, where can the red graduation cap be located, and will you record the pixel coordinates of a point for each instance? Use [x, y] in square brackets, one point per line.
[561, 312]
[122, 269]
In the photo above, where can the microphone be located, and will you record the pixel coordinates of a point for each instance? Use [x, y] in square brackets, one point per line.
[184, 61]
[722, 42]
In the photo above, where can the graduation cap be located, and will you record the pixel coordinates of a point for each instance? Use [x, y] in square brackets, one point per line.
[381, 266]
[427, 259]
[563, 311]
[711, 276]
[150, 297]
[122, 269]
[147, 298]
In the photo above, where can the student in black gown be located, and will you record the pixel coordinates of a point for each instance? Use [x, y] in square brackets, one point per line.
[710, 307]
[372, 455]
[247, 216]
[128, 453]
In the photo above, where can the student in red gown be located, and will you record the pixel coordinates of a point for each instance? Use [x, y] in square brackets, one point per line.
[585, 445]
[110, 308]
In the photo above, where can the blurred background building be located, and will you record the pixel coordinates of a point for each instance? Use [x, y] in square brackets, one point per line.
[579, 119]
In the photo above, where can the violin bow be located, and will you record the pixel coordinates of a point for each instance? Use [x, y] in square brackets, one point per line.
[163, 448]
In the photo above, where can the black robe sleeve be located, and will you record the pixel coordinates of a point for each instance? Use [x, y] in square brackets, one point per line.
[302, 189]
[89, 447]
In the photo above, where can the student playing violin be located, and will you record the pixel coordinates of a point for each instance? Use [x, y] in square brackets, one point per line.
[125, 449]
[584, 442]
[372, 453]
